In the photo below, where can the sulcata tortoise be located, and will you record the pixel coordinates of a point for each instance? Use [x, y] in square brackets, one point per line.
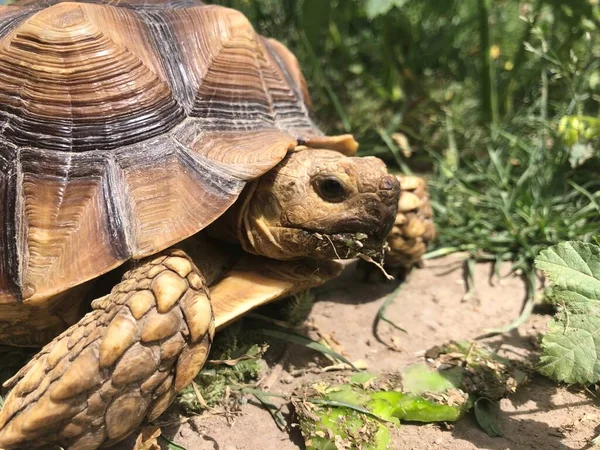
[413, 228]
[166, 151]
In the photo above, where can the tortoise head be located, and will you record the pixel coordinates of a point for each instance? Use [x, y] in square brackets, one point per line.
[319, 204]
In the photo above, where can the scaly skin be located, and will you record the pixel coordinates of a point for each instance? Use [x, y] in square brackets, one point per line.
[126, 360]
[413, 228]
[411, 234]
[286, 215]
[123, 362]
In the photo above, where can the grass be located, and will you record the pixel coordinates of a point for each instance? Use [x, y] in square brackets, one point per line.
[479, 89]
[521, 196]
[498, 100]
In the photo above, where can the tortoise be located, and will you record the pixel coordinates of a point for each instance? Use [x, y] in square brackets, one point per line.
[167, 151]
[413, 228]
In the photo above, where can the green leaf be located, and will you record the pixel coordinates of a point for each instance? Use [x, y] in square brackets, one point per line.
[419, 378]
[486, 417]
[415, 408]
[376, 8]
[571, 348]
[360, 378]
[352, 406]
[574, 266]
[263, 398]
[381, 313]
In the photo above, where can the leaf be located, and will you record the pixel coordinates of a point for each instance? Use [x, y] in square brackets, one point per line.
[527, 307]
[574, 266]
[486, 417]
[263, 398]
[352, 406]
[148, 438]
[571, 348]
[421, 408]
[376, 8]
[360, 378]
[381, 314]
[418, 378]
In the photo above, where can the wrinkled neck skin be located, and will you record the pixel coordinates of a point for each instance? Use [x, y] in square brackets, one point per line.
[291, 211]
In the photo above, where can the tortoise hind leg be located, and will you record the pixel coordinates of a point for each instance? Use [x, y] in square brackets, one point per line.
[123, 362]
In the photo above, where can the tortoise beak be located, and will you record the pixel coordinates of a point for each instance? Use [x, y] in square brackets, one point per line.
[380, 211]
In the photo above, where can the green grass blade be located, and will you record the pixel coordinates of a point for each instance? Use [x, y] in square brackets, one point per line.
[295, 338]
[381, 313]
[272, 408]
[525, 312]
[170, 445]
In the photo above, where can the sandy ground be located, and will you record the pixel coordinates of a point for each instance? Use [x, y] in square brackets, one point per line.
[430, 306]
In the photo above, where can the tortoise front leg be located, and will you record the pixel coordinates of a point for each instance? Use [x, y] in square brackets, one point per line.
[123, 362]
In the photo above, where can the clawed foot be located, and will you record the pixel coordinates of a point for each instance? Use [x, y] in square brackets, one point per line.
[122, 363]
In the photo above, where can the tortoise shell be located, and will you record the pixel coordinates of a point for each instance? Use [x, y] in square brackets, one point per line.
[127, 126]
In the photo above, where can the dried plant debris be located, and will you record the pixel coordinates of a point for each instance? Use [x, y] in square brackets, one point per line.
[357, 412]
[147, 438]
[482, 372]
[219, 383]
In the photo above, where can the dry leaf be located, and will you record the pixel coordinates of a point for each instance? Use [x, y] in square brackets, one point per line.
[147, 439]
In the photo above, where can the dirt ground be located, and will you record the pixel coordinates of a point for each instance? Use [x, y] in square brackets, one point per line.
[430, 306]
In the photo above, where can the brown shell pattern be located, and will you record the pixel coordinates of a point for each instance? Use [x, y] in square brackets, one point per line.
[127, 126]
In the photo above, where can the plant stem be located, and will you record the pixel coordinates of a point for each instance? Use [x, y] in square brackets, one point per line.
[489, 93]
[320, 75]
[519, 60]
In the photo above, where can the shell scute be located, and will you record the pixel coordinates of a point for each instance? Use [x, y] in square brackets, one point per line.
[128, 126]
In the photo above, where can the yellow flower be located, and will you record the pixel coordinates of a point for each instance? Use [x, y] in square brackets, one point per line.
[494, 51]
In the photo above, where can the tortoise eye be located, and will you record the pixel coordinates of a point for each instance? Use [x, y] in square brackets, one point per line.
[331, 189]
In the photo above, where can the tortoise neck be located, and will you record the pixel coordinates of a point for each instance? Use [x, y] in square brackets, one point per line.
[241, 224]
[252, 227]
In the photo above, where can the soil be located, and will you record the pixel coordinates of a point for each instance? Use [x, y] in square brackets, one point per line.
[432, 308]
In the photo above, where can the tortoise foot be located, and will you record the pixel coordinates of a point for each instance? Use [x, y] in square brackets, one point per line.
[410, 236]
[122, 363]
